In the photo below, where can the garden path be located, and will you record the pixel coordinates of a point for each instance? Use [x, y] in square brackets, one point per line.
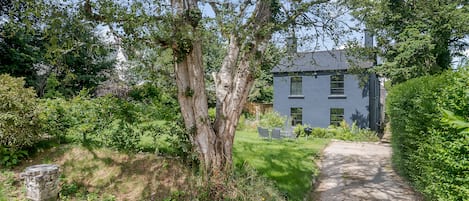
[360, 171]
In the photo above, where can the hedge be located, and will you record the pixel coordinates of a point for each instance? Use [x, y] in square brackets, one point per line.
[430, 142]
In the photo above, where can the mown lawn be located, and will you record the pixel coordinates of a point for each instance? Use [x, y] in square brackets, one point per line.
[290, 163]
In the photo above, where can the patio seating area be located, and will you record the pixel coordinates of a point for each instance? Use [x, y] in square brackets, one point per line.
[276, 133]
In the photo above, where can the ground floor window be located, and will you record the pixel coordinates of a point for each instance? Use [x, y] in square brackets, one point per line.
[296, 114]
[337, 115]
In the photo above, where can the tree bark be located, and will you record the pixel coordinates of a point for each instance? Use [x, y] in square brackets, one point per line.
[214, 142]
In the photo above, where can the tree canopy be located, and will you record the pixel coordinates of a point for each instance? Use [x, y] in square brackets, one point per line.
[46, 40]
[417, 37]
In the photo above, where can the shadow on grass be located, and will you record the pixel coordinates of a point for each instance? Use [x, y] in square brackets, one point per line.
[143, 176]
[91, 173]
[289, 163]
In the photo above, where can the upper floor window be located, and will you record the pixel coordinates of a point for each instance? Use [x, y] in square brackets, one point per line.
[296, 86]
[337, 84]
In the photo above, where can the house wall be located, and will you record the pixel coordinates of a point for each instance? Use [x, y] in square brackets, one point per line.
[317, 100]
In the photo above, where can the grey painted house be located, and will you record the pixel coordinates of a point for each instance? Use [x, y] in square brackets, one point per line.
[315, 88]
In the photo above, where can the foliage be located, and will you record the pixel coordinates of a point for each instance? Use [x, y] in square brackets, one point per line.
[104, 120]
[39, 39]
[85, 64]
[10, 157]
[415, 38]
[263, 91]
[299, 129]
[429, 118]
[19, 51]
[272, 119]
[19, 122]
[345, 132]
[212, 114]
[162, 104]
[128, 126]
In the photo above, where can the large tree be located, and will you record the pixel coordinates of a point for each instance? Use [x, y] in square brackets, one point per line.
[415, 38]
[42, 40]
[246, 29]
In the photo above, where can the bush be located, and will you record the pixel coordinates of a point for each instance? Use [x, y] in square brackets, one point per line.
[345, 132]
[428, 146]
[319, 133]
[272, 120]
[114, 123]
[106, 121]
[165, 104]
[19, 122]
[299, 129]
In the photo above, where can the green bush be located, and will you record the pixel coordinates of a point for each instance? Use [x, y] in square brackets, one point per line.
[319, 133]
[299, 129]
[19, 122]
[345, 132]
[272, 120]
[165, 104]
[429, 147]
[106, 121]
[114, 123]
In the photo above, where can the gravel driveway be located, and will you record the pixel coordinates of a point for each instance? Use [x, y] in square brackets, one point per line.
[360, 171]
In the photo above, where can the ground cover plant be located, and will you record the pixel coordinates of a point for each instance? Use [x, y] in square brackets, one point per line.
[429, 123]
[290, 163]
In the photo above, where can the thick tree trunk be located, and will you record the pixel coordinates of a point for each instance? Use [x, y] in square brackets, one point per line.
[214, 143]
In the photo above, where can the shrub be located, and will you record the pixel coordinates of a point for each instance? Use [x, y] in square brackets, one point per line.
[299, 129]
[55, 117]
[272, 120]
[19, 122]
[319, 132]
[106, 121]
[428, 146]
[345, 132]
[164, 104]
[114, 123]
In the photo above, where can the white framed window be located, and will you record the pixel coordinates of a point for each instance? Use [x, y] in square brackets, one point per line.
[337, 84]
[296, 86]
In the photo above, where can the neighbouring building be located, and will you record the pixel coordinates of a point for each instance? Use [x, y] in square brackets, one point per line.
[317, 88]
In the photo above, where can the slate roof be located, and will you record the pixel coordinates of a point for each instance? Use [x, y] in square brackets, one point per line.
[318, 61]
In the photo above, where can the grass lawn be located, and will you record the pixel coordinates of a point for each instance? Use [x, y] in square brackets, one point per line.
[290, 163]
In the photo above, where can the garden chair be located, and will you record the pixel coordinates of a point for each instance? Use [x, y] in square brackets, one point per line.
[288, 130]
[288, 133]
[263, 133]
[276, 133]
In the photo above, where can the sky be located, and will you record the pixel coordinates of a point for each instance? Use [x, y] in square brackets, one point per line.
[324, 44]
